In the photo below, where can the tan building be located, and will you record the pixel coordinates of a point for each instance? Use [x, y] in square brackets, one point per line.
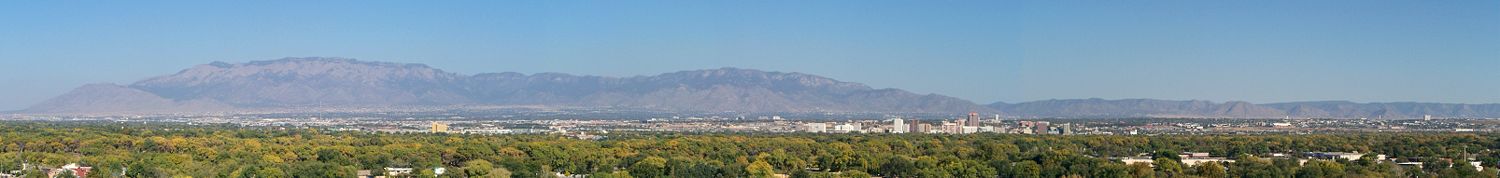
[439, 127]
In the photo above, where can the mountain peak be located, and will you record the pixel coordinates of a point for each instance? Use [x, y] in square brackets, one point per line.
[332, 61]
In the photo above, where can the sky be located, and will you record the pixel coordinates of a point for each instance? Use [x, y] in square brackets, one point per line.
[983, 51]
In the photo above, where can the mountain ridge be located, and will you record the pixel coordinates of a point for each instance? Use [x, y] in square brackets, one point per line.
[344, 82]
[315, 82]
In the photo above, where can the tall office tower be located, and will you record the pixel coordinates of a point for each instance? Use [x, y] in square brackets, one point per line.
[897, 126]
[973, 120]
[914, 126]
[439, 127]
[1067, 129]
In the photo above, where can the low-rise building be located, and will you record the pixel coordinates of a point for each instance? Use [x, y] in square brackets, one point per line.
[1342, 155]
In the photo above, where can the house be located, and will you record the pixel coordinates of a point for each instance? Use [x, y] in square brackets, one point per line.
[1188, 159]
[391, 171]
[1342, 155]
[1200, 160]
[366, 174]
[1137, 159]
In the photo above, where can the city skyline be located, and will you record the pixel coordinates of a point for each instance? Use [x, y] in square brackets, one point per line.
[1264, 52]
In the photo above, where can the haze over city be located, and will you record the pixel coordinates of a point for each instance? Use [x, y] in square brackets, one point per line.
[1017, 51]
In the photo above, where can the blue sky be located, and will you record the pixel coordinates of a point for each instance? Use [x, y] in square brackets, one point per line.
[984, 51]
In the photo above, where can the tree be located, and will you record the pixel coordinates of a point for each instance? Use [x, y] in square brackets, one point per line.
[854, 174]
[1320, 168]
[1026, 169]
[140, 169]
[897, 166]
[1168, 167]
[500, 172]
[1489, 172]
[616, 174]
[800, 174]
[272, 172]
[969, 168]
[1168, 154]
[1112, 170]
[1142, 170]
[1464, 170]
[482, 168]
[65, 174]
[1210, 170]
[651, 167]
[760, 169]
[698, 170]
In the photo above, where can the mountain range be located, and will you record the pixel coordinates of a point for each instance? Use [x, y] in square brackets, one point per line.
[293, 84]
[1151, 108]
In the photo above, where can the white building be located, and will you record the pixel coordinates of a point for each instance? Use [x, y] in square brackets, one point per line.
[815, 127]
[393, 171]
[987, 129]
[846, 128]
[898, 126]
[1342, 155]
[969, 129]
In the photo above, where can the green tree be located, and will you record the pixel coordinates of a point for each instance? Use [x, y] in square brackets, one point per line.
[854, 174]
[482, 168]
[969, 168]
[800, 174]
[651, 167]
[1210, 170]
[1026, 169]
[897, 166]
[760, 169]
[616, 174]
[1320, 168]
[1112, 170]
[1168, 167]
[698, 170]
[1142, 170]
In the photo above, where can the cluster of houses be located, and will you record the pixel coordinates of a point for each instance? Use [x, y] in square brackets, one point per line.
[394, 172]
[73, 168]
[1195, 158]
[1188, 159]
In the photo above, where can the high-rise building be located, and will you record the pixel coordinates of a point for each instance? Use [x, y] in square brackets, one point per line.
[973, 120]
[1041, 127]
[439, 127]
[1067, 129]
[897, 126]
[922, 128]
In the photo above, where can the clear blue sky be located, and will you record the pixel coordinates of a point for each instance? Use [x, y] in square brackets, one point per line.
[984, 51]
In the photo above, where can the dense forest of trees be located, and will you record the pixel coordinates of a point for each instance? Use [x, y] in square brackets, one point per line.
[122, 150]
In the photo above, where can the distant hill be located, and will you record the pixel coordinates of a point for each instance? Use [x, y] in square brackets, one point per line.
[293, 83]
[1101, 108]
[1345, 109]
